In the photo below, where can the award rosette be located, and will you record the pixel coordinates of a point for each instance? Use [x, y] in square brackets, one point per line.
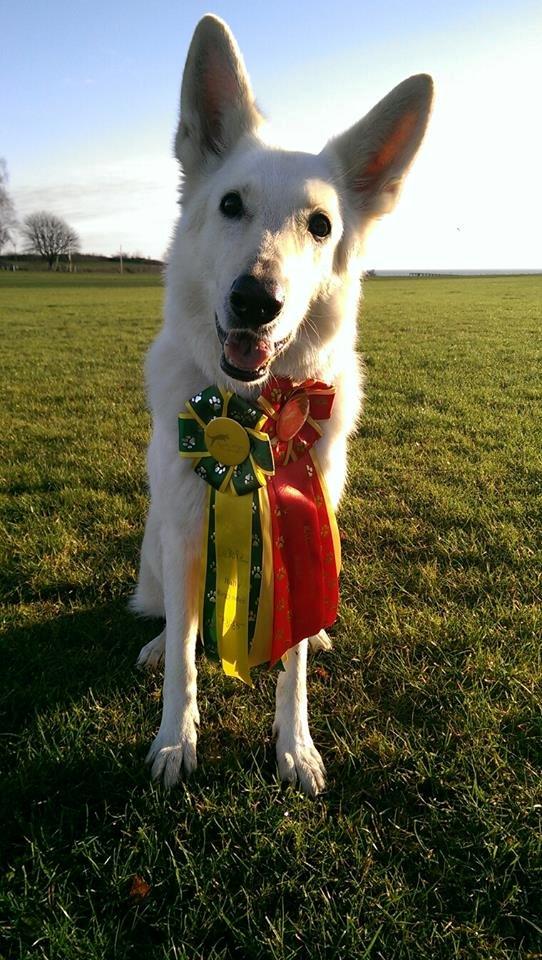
[221, 434]
[306, 542]
[271, 553]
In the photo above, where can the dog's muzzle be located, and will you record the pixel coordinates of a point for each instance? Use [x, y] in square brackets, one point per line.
[248, 346]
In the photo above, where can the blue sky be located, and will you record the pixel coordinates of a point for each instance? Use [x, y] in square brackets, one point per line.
[90, 99]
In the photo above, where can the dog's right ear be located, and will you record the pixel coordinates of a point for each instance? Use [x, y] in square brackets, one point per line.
[217, 103]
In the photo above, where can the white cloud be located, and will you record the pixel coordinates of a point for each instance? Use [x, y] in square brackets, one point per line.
[130, 203]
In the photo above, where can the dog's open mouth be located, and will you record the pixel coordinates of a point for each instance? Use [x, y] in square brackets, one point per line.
[246, 355]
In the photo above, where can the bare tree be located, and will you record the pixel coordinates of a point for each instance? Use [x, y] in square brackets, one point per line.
[49, 236]
[8, 220]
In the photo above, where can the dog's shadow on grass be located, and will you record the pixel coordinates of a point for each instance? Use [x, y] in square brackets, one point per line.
[53, 663]
[65, 740]
[78, 717]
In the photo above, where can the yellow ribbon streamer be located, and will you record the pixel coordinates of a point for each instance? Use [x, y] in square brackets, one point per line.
[335, 536]
[233, 535]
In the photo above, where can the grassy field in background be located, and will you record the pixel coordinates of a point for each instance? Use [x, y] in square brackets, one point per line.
[82, 263]
[428, 842]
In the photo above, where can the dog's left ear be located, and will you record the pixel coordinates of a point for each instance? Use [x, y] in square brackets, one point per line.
[217, 103]
[375, 154]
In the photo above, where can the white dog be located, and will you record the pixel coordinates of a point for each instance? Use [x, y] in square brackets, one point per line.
[264, 275]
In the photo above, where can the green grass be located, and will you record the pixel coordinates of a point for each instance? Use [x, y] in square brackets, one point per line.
[428, 842]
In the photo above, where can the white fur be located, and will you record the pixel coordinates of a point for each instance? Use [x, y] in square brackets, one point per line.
[352, 180]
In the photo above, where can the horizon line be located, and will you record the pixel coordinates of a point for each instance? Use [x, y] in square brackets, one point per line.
[426, 271]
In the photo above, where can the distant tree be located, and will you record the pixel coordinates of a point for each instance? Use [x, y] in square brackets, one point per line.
[49, 236]
[8, 220]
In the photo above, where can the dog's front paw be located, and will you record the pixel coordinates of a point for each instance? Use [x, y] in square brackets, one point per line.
[299, 762]
[320, 641]
[171, 755]
[151, 655]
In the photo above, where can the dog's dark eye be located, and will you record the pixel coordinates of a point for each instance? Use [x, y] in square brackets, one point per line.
[231, 206]
[319, 226]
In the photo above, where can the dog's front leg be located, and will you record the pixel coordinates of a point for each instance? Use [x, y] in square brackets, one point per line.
[297, 757]
[174, 747]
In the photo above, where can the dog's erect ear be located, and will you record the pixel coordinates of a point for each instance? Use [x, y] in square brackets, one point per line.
[217, 103]
[374, 155]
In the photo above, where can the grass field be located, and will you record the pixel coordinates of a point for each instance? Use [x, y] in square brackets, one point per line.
[428, 842]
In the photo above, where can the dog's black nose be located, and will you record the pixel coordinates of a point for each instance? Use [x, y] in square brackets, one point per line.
[255, 302]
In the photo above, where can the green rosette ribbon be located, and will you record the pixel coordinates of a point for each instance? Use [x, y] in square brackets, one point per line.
[220, 433]
[206, 445]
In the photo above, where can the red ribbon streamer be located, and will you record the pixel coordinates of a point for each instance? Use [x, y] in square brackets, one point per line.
[306, 592]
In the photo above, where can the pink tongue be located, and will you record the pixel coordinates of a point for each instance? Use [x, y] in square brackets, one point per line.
[246, 352]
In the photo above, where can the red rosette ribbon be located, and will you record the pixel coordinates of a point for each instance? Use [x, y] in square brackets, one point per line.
[305, 537]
